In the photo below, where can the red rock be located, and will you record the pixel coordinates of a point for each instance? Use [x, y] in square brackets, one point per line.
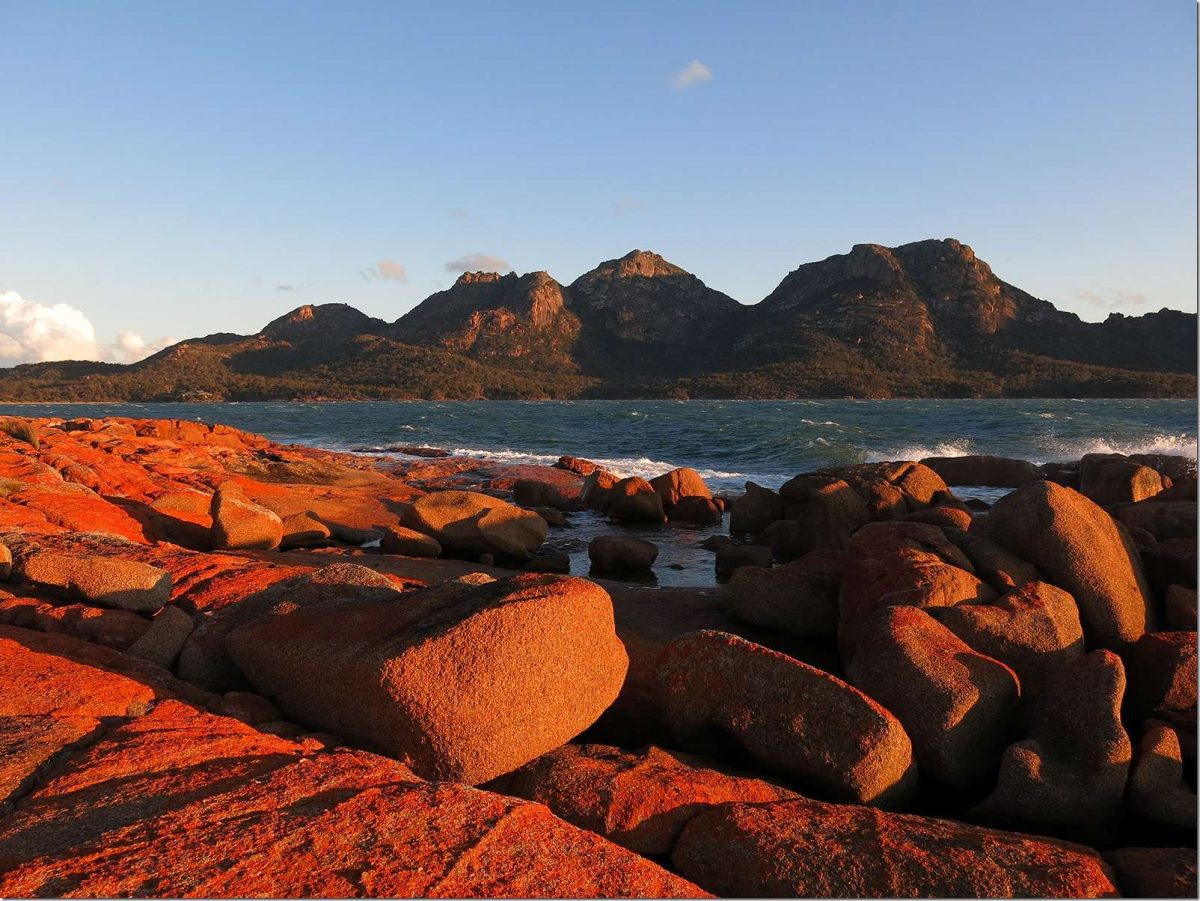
[303, 530]
[983, 469]
[1116, 481]
[1181, 608]
[1033, 629]
[409, 543]
[827, 510]
[733, 557]
[535, 493]
[700, 511]
[639, 800]
[1157, 790]
[463, 686]
[100, 625]
[618, 553]
[1068, 777]
[792, 599]
[467, 522]
[804, 848]
[240, 524]
[796, 721]
[234, 597]
[912, 564]
[1154, 872]
[678, 484]
[108, 581]
[1077, 547]
[1001, 569]
[211, 807]
[755, 510]
[163, 641]
[942, 516]
[1162, 674]
[958, 707]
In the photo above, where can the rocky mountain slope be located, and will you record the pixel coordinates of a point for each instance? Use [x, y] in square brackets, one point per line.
[924, 319]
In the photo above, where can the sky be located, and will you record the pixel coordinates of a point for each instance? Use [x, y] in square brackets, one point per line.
[170, 170]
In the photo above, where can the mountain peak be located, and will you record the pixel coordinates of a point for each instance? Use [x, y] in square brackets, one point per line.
[309, 320]
[477, 278]
[643, 263]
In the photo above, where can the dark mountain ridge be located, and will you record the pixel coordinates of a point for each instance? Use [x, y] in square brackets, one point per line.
[926, 319]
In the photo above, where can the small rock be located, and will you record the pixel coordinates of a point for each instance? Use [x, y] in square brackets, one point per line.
[701, 511]
[1162, 673]
[303, 530]
[715, 542]
[755, 510]
[615, 553]
[1033, 629]
[239, 524]
[109, 581]
[6, 563]
[790, 599]
[407, 542]
[733, 556]
[550, 563]
[1157, 791]
[679, 483]
[162, 642]
[640, 800]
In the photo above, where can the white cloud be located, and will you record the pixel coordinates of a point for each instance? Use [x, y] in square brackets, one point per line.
[131, 347]
[31, 332]
[393, 270]
[627, 204]
[693, 73]
[478, 262]
[1114, 300]
[457, 213]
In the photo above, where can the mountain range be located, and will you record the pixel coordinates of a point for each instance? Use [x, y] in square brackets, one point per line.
[927, 319]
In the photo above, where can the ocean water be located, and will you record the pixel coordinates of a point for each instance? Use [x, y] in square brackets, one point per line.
[728, 442]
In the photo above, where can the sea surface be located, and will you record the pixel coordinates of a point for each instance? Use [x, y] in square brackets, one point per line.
[728, 442]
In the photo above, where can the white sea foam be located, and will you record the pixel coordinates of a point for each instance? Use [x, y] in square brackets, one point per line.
[644, 467]
[1046, 451]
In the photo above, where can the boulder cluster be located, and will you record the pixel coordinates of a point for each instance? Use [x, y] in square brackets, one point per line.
[240, 669]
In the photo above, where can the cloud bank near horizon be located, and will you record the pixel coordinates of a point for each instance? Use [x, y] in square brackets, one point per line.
[32, 332]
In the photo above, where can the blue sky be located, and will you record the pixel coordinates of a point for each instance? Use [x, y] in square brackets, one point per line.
[174, 170]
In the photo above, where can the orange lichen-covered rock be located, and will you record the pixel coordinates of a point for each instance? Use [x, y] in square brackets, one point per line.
[905, 563]
[1068, 777]
[79, 509]
[108, 581]
[473, 523]
[1077, 547]
[1034, 629]
[798, 722]
[230, 597]
[240, 524]
[639, 800]
[959, 707]
[101, 625]
[679, 483]
[168, 800]
[210, 807]
[462, 685]
[1154, 872]
[803, 848]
